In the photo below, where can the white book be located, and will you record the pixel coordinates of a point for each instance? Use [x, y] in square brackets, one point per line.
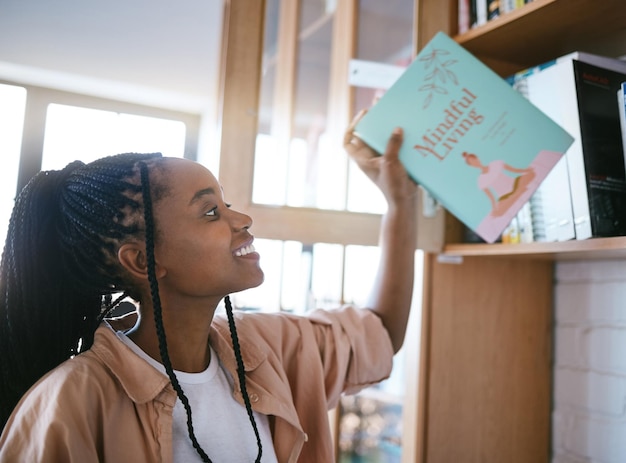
[556, 201]
[481, 12]
[507, 6]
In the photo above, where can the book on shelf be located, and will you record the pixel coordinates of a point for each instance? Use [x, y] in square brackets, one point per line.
[465, 20]
[506, 6]
[493, 9]
[478, 10]
[551, 204]
[621, 108]
[475, 144]
[578, 92]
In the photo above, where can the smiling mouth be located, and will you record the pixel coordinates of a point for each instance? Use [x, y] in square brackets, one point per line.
[244, 251]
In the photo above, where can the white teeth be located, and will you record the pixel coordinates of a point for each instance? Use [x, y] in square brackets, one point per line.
[244, 251]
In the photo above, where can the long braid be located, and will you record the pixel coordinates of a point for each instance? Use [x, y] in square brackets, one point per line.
[241, 374]
[158, 315]
[59, 261]
[158, 319]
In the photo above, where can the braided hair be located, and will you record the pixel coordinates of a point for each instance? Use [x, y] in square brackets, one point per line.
[59, 270]
[158, 319]
[59, 267]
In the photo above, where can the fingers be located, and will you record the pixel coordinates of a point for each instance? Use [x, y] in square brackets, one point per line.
[395, 142]
[351, 142]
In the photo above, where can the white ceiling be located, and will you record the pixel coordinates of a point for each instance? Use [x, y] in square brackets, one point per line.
[160, 52]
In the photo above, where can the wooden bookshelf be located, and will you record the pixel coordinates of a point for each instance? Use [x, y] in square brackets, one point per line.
[488, 308]
[593, 248]
[544, 29]
[535, 33]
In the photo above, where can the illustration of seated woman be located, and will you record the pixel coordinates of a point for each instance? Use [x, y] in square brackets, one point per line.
[501, 182]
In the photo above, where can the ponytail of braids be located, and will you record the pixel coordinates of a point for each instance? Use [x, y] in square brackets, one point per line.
[59, 266]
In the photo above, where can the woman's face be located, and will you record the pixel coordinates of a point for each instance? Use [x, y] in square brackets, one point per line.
[203, 248]
[472, 160]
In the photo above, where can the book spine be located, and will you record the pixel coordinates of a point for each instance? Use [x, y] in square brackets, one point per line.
[473, 11]
[506, 6]
[601, 147]
[481, 12]
[464, 16]
[621, 107]
[493, 9]
[555, 199]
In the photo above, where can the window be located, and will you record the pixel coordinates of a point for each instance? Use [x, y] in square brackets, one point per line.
[87, 134]
[57, 127]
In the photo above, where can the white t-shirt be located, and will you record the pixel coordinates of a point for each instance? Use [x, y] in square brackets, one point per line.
[220, 423]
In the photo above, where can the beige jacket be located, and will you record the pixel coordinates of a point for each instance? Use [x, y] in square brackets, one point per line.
[108, 404]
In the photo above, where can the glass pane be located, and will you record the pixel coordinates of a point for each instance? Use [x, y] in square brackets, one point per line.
[295, 163]
[87, 134]
[310, 108]
[327, 275]
[371, 422]
[298, 277]
[361, 266]
[384, 35]
[268, 79]
[12, 106]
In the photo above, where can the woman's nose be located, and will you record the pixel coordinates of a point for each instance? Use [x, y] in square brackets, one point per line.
[240, 221]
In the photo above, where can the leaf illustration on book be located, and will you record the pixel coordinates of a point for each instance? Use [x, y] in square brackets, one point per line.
[452, 77]
[450, 103]
[440, 73]
[427, 101]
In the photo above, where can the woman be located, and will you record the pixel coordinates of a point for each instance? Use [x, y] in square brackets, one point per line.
[176, 383]
[502, 183]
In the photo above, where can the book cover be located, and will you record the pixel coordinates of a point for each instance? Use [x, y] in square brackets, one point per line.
[478, 146]
[602, 152]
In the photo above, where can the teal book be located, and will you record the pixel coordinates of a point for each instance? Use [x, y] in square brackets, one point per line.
[478, 146]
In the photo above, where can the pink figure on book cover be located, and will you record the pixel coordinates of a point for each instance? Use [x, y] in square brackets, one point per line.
[502, 183]
[508, 188]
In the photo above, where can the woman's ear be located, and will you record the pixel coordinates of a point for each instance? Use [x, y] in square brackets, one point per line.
[132, 256]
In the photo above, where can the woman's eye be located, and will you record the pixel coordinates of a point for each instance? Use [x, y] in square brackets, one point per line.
[212, 212]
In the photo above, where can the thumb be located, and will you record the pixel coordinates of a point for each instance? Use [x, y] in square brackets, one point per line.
[394, 143]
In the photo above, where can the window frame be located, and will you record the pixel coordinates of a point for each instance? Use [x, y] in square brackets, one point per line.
[240, 86]
[242, 54]
[39, 98]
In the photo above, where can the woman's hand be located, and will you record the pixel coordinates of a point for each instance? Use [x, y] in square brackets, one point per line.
[392, 291]
[386, 171]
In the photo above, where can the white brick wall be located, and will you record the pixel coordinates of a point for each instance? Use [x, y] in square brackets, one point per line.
[589, 415]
